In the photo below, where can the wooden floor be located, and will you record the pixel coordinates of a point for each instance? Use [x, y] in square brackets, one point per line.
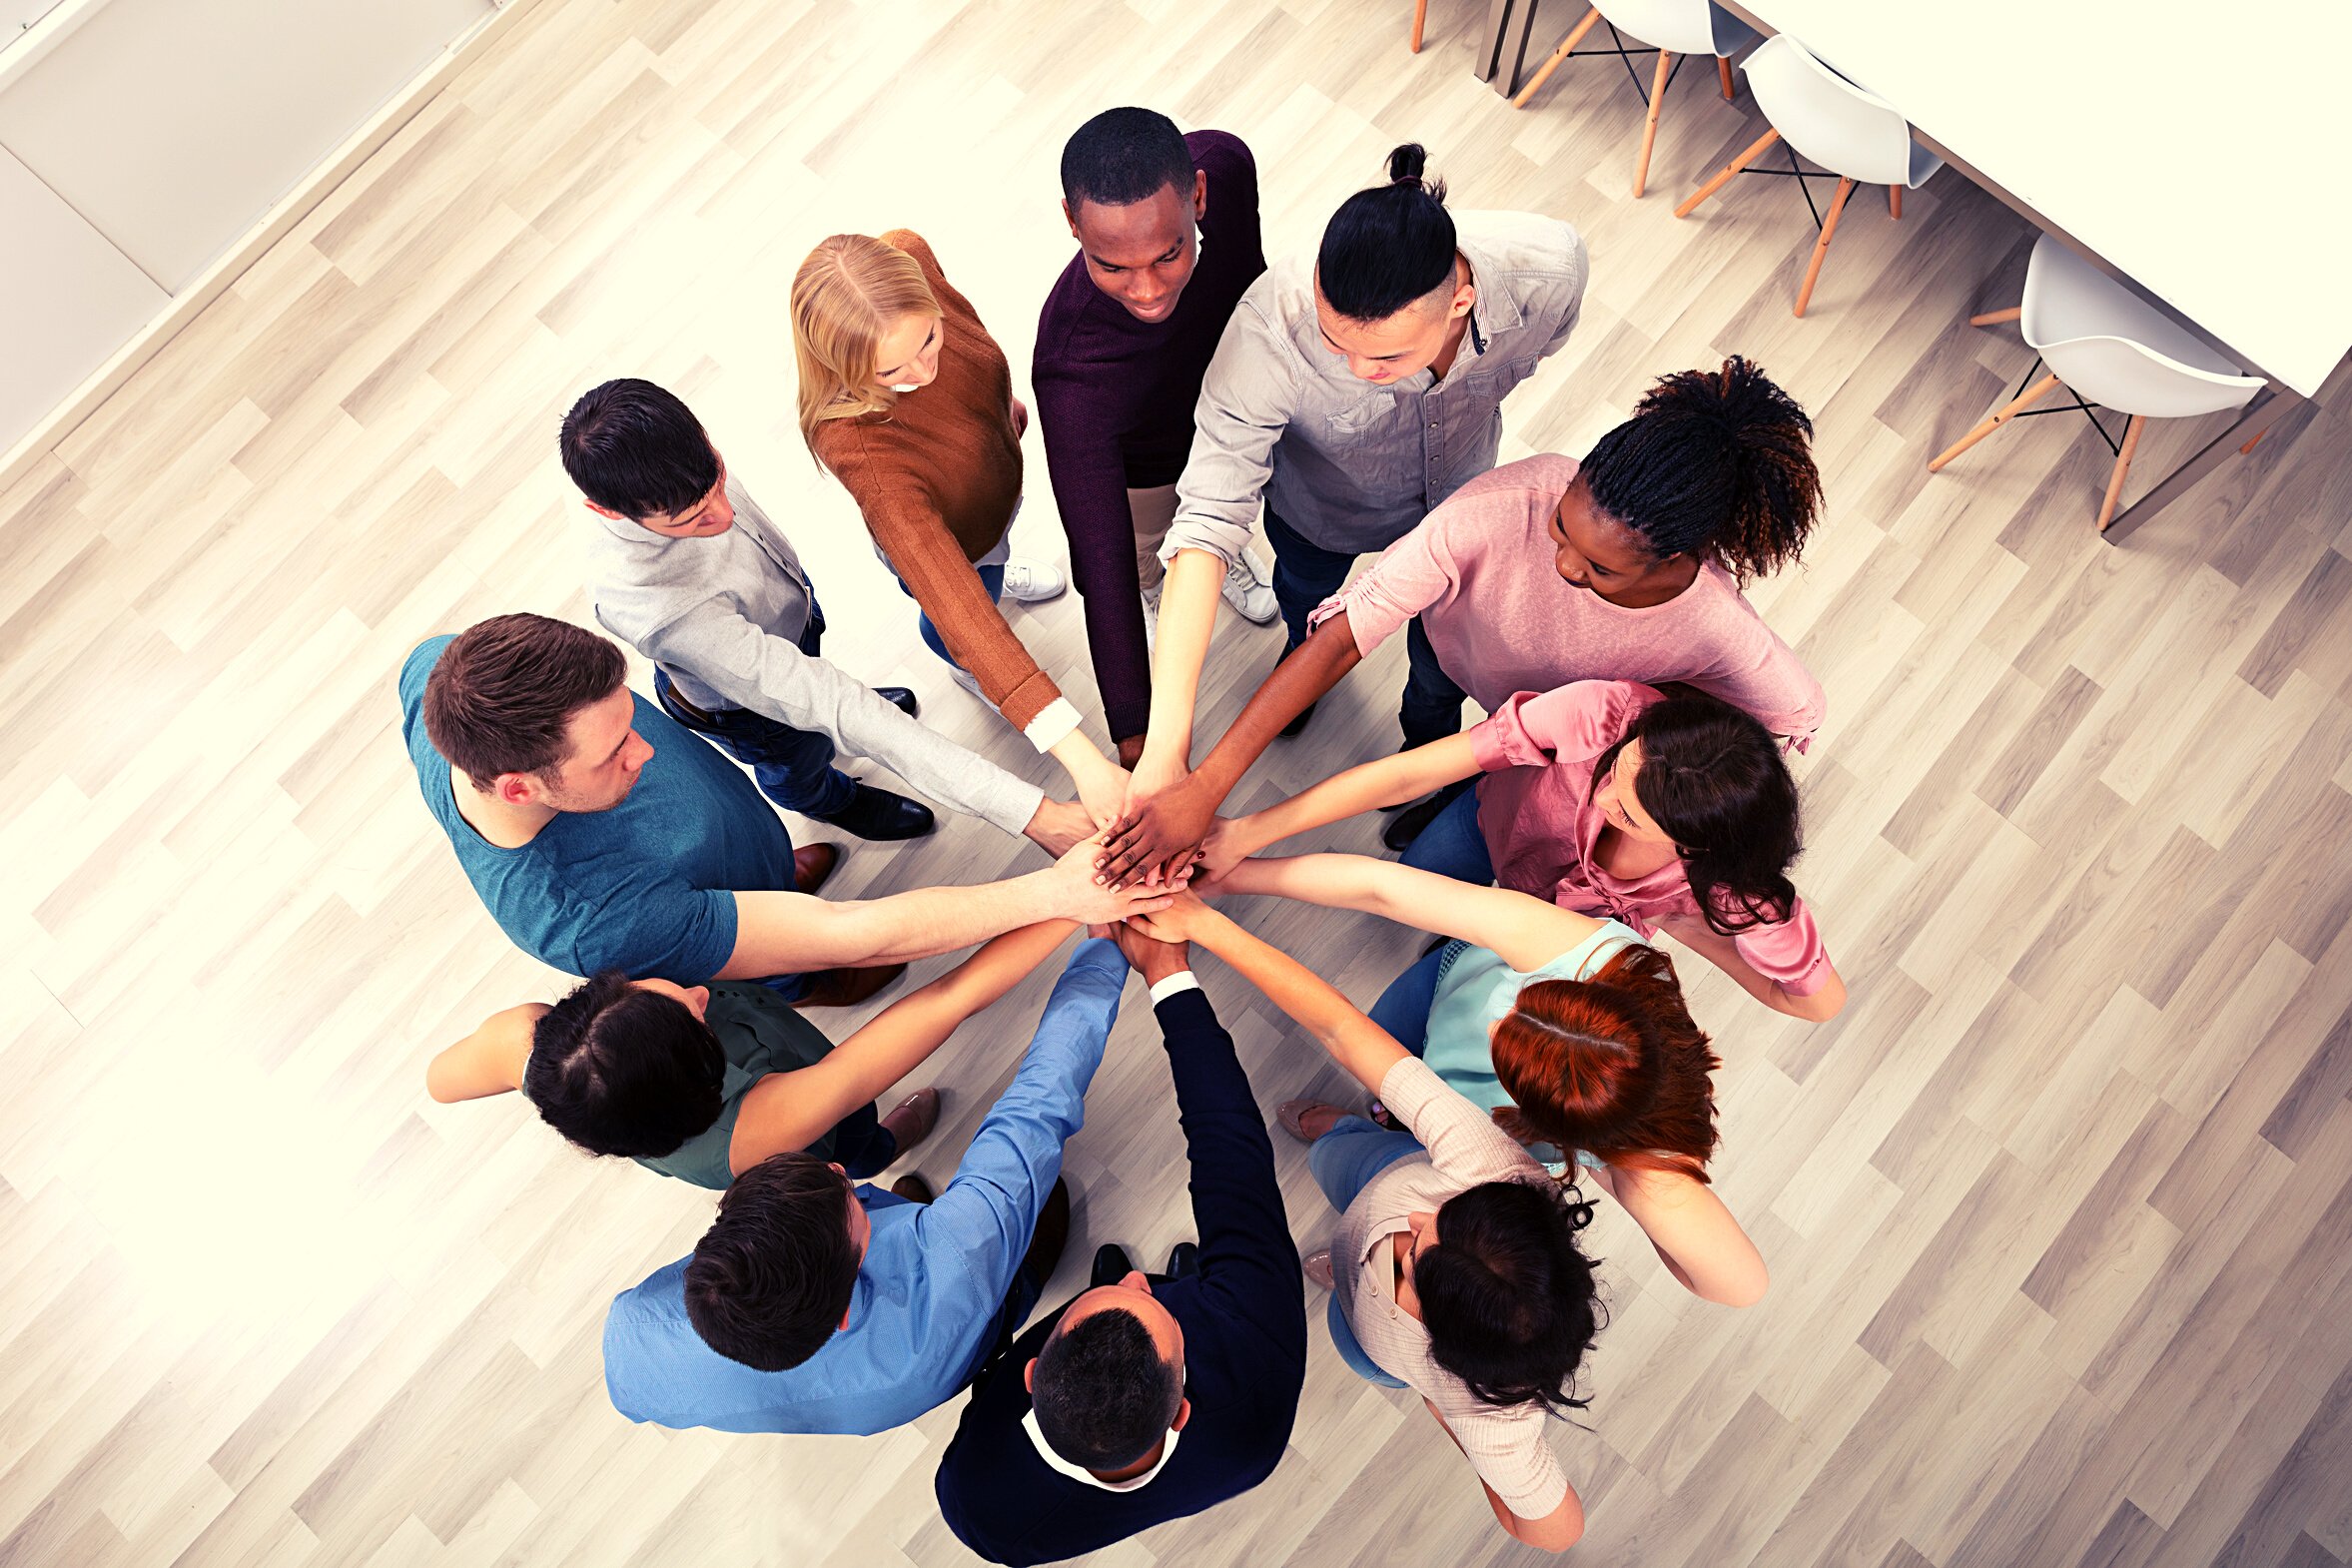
[2060, 1212]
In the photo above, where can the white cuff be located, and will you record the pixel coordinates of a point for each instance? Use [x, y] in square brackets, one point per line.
[1171, 985]
[1051, 725]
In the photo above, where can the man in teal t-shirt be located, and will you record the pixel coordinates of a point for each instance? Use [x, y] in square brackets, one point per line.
[603, 834]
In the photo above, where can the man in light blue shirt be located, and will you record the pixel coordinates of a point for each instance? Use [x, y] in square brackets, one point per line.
[816, 1305]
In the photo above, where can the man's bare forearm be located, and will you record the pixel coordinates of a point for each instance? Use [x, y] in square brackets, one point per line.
[1299, 681]
[791, 933]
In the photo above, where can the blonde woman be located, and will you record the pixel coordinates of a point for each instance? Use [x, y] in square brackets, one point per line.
[906, 400]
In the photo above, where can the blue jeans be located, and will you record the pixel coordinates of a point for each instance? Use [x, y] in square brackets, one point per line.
[1343, 1162]
[794, 767]
[1452, 846]
[1306, 574]
[990, 578]
[1403, 1009]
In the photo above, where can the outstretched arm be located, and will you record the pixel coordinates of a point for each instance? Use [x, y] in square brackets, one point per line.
[1556, 1531]
[1159, 825]
[487, 1061]
[789, 1111]
[793, 933]
[1816, 1006]
[1357, 1043]
[1695, 1237]
[1526, 932]
[1390, 781]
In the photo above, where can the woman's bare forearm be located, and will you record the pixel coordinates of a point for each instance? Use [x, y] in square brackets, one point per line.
[1388, 781]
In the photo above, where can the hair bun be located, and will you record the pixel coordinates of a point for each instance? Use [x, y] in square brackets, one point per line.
[1407, 162]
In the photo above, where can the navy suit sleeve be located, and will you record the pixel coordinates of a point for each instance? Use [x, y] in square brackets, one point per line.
[1247, 1254]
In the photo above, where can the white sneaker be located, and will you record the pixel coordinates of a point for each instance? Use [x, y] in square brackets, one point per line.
[1247, 592]
[966, 679]
[1029, 582]
[1150, 620]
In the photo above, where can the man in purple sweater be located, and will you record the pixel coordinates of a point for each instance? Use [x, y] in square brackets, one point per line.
[1166, 226]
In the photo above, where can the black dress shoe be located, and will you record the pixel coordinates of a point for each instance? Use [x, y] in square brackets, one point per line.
[900, 698]
[878, 814]
[1185, 1259]
[1411, 823]
[1110, 1266]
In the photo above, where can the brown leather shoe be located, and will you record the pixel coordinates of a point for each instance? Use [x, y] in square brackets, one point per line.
[913, 1119]
[846, 988]
[1050, 1235]
[812, 864]
[912, 1187]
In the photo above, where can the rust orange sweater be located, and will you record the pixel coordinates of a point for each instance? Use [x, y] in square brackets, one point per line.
[937, 477]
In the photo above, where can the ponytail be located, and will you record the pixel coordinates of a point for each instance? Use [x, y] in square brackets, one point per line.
[1390, 246]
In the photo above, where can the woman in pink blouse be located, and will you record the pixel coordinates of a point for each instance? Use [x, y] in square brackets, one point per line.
[1625, 566]
[1673, 814]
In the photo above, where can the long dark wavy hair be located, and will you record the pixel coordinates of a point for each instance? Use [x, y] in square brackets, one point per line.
[1714, 778]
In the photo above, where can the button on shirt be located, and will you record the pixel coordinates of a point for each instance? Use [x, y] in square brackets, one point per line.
[1349, 465]
[934, 1278]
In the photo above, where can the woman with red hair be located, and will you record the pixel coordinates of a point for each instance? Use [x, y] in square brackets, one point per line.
[1570, 1031]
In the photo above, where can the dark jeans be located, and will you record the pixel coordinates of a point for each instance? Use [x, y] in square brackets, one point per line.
[862, 1144]
[794, 767]
[1306, 574]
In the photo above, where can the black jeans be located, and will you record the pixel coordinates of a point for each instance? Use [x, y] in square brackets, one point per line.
[794, 767]
[1306, 574]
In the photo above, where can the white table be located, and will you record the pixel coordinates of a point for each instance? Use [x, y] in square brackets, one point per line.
[2192, 152]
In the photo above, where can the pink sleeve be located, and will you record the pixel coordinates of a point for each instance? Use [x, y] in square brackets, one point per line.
[1581, 719]
[1411, 575]
[1751, 667]
[1789, 950]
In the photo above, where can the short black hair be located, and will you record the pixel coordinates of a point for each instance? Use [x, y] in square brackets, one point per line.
[635, 449]
[1509, 1301]
[770, 1279]
[1715, 463]
[1388, 246]
[1102, 1394]
[1124, 156]
[619, 1069]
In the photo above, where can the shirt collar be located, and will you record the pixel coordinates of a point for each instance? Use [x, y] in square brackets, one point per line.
[1054, 1461]
[1496, 308]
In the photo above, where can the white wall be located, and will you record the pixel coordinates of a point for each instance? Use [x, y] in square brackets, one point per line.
[162, 131]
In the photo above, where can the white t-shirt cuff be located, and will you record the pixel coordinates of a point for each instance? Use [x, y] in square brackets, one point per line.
[1173, 984]
[1051, 725]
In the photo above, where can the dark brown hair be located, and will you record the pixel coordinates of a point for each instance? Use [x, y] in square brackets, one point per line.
[1714, 778]
[1612, 1065]
[501, 695]
[769, 1281]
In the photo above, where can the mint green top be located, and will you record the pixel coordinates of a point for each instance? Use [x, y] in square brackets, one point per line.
[759, 1033]
[1475, 987]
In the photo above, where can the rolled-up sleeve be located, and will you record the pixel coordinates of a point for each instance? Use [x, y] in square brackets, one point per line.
[1411, 575]
[1581, 719]
[1790, 951]
[1246, 400]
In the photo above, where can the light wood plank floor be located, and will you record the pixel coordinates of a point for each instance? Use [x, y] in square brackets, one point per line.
[2060, 1212]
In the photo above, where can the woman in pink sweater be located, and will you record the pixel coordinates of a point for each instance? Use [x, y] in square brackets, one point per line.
[1673, 814]
[1625, 566]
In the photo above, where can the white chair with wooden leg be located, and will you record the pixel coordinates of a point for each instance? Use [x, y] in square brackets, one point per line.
[1674, 28]
[1859, 138]
[2110, 348]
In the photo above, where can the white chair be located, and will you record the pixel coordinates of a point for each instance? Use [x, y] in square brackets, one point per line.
[1672, 27]
[2112, 348]
[1852, 134]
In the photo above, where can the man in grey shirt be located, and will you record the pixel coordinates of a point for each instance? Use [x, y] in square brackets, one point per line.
[1351, 399]
[691, 572]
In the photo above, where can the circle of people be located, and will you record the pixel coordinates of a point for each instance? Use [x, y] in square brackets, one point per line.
[1629, 780]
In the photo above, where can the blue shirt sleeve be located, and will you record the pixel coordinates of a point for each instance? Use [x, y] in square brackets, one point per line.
[662, 929]
[987, 1213]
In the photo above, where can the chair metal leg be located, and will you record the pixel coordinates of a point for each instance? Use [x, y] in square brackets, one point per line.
[2123, 467]
[1641, 170]
[1691, 202]
[1567, 45]
[1723, 69]
[1420, 19]
[1995, 419]
[1821, 247]
[1995, 318]
[1894, 201]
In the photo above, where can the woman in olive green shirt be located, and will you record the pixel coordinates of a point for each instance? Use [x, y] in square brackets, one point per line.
[704, 1082]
